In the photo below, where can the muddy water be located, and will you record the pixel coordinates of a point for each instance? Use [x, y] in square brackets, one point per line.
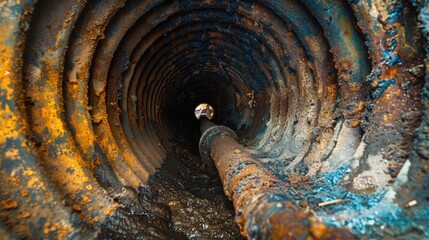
[184, 200]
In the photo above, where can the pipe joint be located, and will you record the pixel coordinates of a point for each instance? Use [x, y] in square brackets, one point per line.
[205, 141]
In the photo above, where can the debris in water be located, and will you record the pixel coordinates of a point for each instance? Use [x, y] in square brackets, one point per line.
[412, 203]
[327, 203]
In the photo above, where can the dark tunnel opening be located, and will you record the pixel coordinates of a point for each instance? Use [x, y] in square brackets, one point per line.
[99, 137]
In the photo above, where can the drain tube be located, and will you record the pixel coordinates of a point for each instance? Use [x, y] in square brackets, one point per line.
[263, 207]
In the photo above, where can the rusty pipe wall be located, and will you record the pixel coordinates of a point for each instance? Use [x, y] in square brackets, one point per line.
[92, 93]
[264, 208]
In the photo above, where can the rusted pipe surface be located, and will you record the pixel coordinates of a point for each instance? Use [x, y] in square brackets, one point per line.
[264, 209]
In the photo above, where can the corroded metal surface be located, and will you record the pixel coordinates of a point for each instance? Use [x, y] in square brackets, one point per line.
[93, 95]
[264, 208]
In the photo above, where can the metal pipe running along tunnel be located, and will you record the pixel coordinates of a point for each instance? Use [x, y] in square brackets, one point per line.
[327, 102]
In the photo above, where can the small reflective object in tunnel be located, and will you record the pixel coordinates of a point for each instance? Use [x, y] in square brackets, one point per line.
[204, 109]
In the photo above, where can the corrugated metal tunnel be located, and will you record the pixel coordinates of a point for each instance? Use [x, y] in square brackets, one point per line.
[98, 137]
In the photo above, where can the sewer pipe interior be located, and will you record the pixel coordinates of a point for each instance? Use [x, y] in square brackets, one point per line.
[97, 104]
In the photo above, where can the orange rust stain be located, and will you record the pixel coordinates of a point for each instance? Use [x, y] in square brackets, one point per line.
[23, 215]
[24, 193]
[354, 123]
[332, 92]
[390, 72]
[12, 154]
[355, 87]
[318, 229]
[9, 204]
[47, 93]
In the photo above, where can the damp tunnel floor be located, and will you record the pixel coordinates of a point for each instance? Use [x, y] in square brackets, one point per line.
[325, 101]
[191, 196]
